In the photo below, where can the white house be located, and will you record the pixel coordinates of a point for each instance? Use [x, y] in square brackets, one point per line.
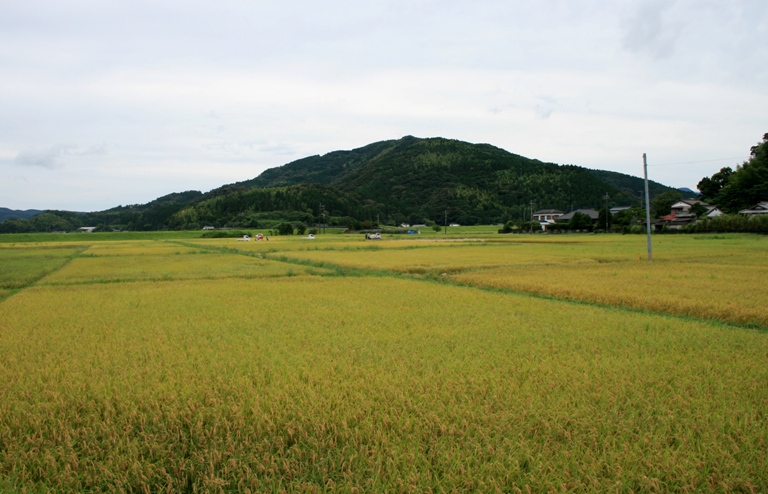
[547, 215]
[684, 206]
[714, 212]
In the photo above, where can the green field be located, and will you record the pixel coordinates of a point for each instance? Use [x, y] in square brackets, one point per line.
[446, 363]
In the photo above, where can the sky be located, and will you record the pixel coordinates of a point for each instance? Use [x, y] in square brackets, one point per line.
[106, 103]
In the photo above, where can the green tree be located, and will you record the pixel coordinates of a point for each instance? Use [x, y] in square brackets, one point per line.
[604, 219]
[580, 221]
[628, 217]
[748, 185]
[711, 187]
[49, 222]
[698, 209]
[662, 204]
[285, 229]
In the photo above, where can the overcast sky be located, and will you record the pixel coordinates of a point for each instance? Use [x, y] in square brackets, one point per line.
[106, 103]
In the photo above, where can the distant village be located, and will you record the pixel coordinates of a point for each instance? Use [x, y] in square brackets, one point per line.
[683, 213]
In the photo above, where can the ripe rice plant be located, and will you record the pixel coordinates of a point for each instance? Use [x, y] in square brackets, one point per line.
[21, 266]
[720, 279]
[215, 381]
[169, 267]
[139, 248]
[726, 292]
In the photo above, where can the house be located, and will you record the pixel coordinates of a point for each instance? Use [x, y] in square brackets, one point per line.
[86, 229]
[714, 212]
[684, 206]
[547, 214]
[676, 222]
[618, 209]
[681, 214]
[567, 217]
[756, 210]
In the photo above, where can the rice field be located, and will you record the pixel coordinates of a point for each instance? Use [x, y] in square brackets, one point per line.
[21, 266]
[171, 267]
[716, 277]
[219, 366]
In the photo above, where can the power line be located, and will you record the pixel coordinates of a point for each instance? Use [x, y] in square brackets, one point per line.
[694, 162]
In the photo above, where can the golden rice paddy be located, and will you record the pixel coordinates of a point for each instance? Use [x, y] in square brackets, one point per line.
[176, 366]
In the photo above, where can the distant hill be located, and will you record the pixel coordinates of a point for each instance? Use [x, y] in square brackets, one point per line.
[419, 179]
[411, 180]
[688, 192]
[7, 214]
[153, 215]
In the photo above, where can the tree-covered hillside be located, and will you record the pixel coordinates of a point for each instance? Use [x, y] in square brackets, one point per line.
[416, 180]
[631, 186]
[409, 180]
[250, 208]
[153, 215]
[325, 169]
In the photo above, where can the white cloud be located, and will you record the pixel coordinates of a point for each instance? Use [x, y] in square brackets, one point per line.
[649, 30]
[196, 96]
[53, 156]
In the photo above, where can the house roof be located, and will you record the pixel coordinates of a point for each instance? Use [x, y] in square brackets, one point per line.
[548, 211]
[760, 208]
[689, 203]
[589, 212]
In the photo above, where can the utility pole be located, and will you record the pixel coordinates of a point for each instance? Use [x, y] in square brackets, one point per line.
[531, 223]
[321, 210]
[647, 208]
[446, 222]
[607, 213]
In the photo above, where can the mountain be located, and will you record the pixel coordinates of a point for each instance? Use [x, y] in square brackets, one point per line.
[7, 214]
[688, 192]
[629, 185]
[153, 215]
[410, 180]
[419, 179]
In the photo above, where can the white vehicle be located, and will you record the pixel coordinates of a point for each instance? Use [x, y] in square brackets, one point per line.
[311, 236]
[245, 238]
[373, 236]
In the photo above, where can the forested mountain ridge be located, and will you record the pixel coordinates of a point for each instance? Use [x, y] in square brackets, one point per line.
[7, 214]
[411, 180]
